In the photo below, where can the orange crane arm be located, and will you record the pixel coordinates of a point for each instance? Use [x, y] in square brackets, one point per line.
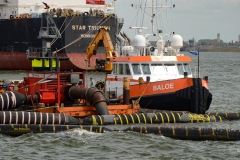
[102, 36]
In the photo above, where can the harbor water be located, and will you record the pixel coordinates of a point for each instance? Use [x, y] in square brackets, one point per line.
[223, 72]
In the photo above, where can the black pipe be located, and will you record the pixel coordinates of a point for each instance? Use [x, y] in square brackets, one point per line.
[188, 133]
[75, 92]
[150, 118]
[12, 100]
[179, 132]
[227, 115]
[92, 95]
[20, 129]
[97, 99]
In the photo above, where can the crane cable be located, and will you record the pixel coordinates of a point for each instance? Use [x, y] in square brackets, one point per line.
[55, 39]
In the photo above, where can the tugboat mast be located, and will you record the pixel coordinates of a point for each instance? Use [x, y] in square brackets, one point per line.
[153, 15]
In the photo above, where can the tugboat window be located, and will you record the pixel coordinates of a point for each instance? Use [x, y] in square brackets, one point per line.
[146, 69]
[180, 69]
[186, 67]
[121, 69]
[157, 69]
[127, 69]
[115, 68]
[170, 68]
[136, 68]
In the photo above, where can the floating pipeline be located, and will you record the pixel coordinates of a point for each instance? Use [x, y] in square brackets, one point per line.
[150, 118]
[20, 129]
[188, 133]
[21, 117]
[145, 110]
[183, 133]
[227, 115]
[12, 100]
[219, 115]
[195, 118]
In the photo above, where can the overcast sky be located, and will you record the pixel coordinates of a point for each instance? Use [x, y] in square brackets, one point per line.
[202, 19]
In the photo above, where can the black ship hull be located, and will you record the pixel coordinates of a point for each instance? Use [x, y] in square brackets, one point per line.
[18, 35]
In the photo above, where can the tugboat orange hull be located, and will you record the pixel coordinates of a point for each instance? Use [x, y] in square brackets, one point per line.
[189, 94]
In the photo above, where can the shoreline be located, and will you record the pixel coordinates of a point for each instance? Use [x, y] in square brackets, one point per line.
[212, 49]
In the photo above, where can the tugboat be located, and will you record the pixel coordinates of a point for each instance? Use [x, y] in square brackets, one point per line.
[157, 81]
[160, 76]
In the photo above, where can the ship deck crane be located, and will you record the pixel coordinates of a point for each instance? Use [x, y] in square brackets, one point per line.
[102, 38]
[43, 59]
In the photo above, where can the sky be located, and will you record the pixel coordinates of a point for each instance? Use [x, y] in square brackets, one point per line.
[199, 19]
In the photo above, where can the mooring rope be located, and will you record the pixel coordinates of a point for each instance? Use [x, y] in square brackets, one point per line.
[138, 100]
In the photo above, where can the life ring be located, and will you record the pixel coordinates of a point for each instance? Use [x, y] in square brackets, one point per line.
[100, 85]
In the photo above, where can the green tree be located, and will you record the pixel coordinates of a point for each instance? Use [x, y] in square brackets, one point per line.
[203, 43]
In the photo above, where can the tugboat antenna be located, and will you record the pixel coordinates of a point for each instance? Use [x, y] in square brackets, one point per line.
[153, 15]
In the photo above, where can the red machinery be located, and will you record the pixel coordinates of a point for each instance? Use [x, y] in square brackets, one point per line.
[66, 93]
[49, 87]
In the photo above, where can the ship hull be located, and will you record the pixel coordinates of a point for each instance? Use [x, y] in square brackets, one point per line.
[186, 95]
[76, 62]
[17, 36]
[175, 102]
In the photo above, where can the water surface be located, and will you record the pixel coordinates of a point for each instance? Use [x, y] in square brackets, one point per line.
[224, 83]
